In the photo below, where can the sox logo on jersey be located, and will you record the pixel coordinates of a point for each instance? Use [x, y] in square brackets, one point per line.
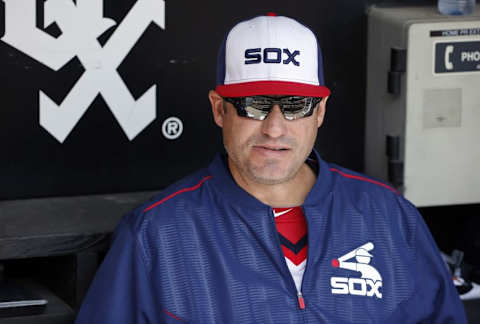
[368, 284]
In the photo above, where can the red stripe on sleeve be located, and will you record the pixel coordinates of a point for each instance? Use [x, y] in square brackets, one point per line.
[172, 315]
[195, 187]
[363, 179]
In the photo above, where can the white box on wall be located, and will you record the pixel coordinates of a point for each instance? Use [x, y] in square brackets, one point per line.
[423, 93]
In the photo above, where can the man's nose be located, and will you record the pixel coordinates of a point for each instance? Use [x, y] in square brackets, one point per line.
[275, 125]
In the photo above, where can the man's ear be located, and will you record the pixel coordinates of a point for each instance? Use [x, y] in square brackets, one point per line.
[322, 106]
[217, 107]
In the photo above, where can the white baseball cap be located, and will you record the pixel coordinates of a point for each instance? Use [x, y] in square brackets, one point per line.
[270, 55]
[362, 252]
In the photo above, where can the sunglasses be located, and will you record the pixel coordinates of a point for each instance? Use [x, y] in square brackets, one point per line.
[258, 107]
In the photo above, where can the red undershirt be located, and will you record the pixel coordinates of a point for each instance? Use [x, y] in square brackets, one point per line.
[292, 231]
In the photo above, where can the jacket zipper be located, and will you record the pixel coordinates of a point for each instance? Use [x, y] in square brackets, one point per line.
[300, 298]
[301, 301]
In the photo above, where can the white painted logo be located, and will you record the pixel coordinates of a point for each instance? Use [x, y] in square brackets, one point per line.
[81, 24]
[368, 284]
[172, 128]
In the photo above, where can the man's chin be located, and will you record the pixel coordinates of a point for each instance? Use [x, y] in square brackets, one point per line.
[270, 181]
[270, 177]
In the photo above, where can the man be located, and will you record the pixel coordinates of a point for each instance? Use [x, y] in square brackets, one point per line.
[263, 234]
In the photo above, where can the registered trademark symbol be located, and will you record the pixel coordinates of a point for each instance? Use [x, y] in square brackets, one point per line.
[172, 128]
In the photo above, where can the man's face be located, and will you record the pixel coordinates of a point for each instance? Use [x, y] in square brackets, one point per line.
[269, 151]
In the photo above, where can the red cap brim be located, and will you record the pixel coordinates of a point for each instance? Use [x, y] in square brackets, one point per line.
[271, 88]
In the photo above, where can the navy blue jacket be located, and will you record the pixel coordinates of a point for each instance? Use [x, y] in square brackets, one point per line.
[205, 251]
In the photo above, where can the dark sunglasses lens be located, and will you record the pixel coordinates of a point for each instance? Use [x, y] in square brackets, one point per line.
[298, 107]
[258, 107]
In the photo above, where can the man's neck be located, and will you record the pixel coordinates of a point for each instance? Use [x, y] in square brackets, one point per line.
[287, 194]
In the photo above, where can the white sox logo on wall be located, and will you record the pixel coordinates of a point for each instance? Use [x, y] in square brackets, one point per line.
[81, 24]
[368, 284]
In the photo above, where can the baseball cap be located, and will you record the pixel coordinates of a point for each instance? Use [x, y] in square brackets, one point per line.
[362, 252]
[270, 55]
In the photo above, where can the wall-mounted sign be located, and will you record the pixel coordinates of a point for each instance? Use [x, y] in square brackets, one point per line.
[457, 57]
[455, 32]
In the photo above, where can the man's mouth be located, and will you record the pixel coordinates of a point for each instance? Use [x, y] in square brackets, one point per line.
[273, 148]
